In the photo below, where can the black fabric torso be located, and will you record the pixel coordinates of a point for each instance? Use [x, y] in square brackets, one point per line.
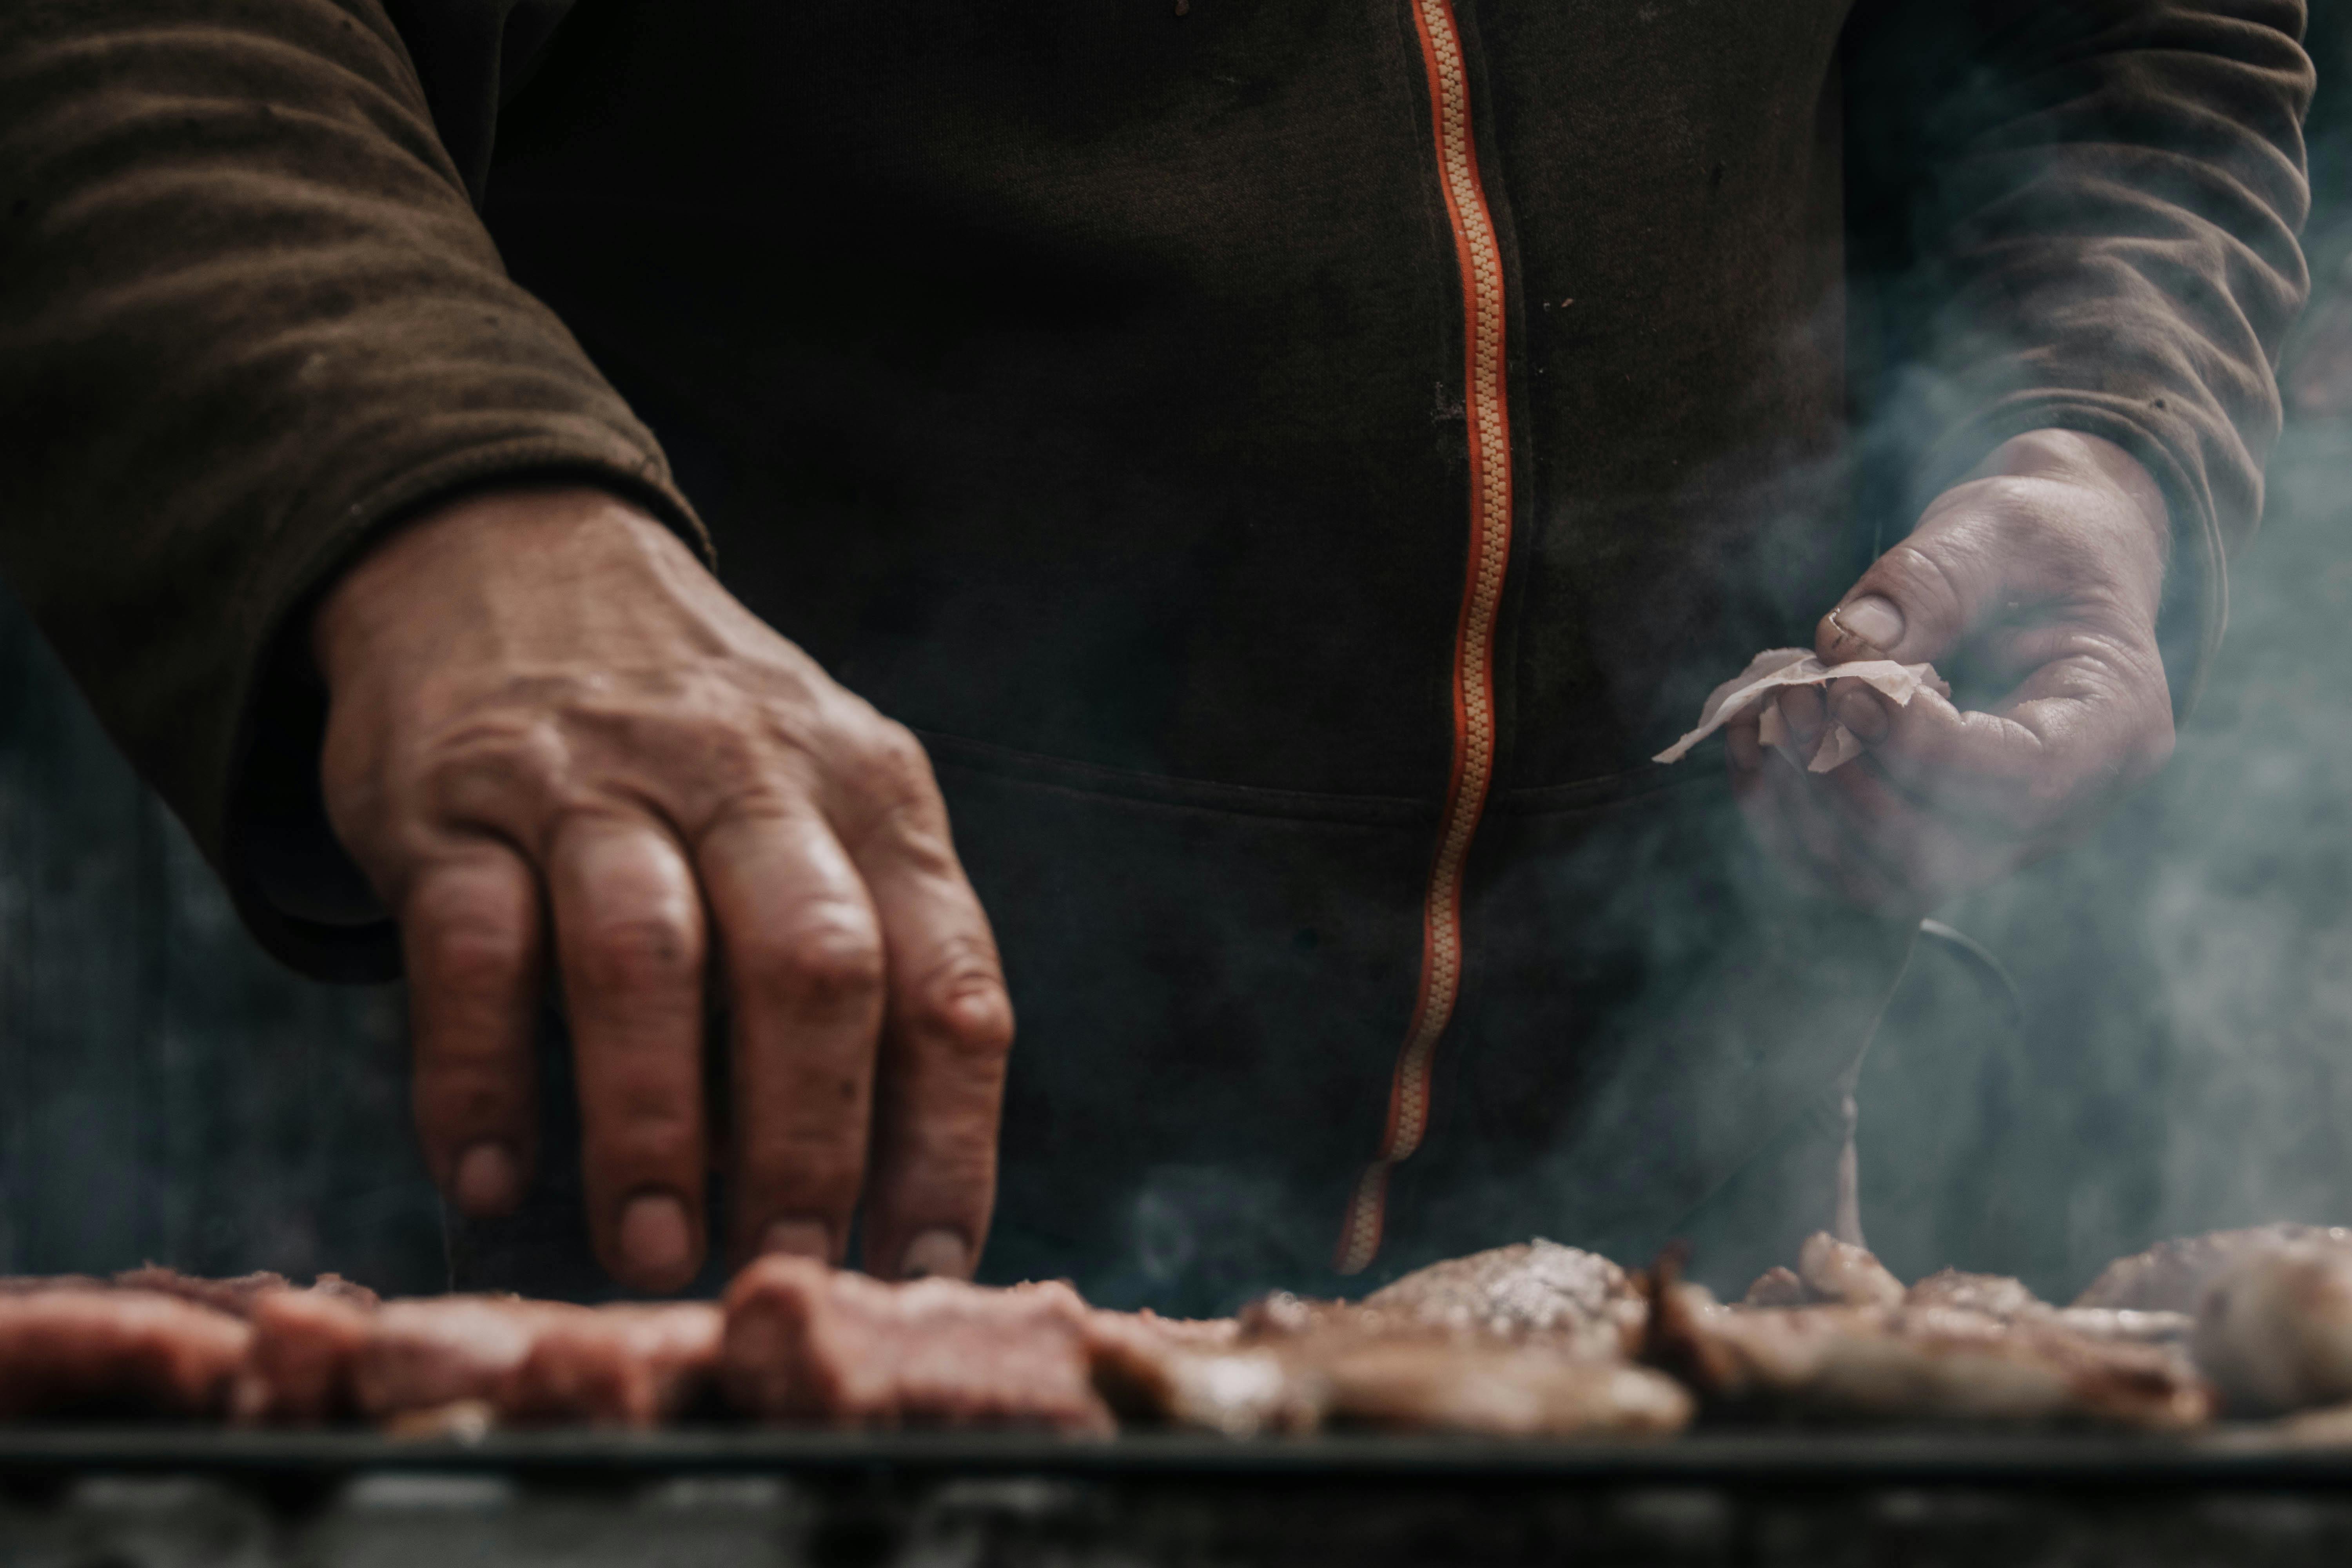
[1083, 386]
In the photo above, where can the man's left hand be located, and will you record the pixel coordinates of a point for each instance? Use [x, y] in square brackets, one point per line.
[2035, 582]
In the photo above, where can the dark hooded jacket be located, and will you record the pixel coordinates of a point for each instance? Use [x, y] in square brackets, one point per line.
[1292, 460]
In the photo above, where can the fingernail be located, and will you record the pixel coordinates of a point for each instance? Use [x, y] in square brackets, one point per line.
[799, 1239]
[654, 1237]
[488, 1180]
[936, 1252]
[1860, 711]
[1873, 618]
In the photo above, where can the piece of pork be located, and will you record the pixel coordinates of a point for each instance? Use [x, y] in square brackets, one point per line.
[79, 1351]
[423, 1352]
[1924, 1363]
[2173, 1276]
[1777, 1287]
[621, 1366]
[1999, 1296]
[2275, 1332]
[1837, 1270]
[1292, 1366]
[237, 1295]
[1535, 1289]
[805, 1342]
[298, 1369]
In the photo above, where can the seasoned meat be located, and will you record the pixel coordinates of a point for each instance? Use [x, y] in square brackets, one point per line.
[77, 1351]
[1836, 1270]
[1487, 1389]
[1294, 1366]
[621, 1366]
[1175, 1373]
[2275, 1329]
[305, 1346]
[422, 1353]
[1536, 1288]
[1995, 1295]
[805, 1342]
[1914, 1363]
[2173, 1276]
[1777, 1286]
[233, 1296]
[1999, 1296]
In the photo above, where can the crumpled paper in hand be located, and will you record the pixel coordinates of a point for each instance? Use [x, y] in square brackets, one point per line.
[1778, 667]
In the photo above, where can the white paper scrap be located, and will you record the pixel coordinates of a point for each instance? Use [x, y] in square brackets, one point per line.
[1778, 667]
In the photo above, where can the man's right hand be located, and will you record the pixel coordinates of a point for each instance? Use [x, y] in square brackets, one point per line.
[554, 737]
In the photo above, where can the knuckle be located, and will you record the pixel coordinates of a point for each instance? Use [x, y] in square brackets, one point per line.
[967, 1010]
[483, 766]
[474, 958]
[893, 769]
[834, 968]
[638, 952]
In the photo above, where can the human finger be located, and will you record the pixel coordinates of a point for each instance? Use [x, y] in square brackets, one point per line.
[1919, 601]
[471, 932]
[947, 1036]
[629, 932]
[805, 972]
[2072, 737]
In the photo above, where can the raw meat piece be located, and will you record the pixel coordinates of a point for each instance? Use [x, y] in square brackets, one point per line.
[2172, 1276]
[306, 1345]
[621, 1366]
[1536, 1288]
[91, 1351]
[426, 1351]
[2275, 1329]
[1836, 1270]
[1920, 1364]
[808, 1342]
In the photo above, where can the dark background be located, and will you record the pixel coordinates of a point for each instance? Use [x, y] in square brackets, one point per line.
[2185, 1062]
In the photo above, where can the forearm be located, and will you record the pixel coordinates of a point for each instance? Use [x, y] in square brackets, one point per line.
[248, 320]
[2098, 206]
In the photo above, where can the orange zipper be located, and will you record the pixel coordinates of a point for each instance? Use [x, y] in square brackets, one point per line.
[1489, 411]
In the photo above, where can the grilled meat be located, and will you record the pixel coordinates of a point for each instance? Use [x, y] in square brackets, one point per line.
[2173, 1276]
[1999, 1296]
[805, 1342]
[620, 1365]
[77, 1351]
[1289, 1365]
[236, 1296]
[1537, 1288]
[2274, 1331]
[423, 1352]
[298, 1368]
[1914, 1361]
[1834, 1270]
[1777, 1286]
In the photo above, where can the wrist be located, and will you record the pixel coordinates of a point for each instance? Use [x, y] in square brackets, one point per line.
[2092, 462]
[423, 572]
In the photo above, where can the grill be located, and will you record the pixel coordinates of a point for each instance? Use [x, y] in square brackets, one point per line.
[1761, 1497]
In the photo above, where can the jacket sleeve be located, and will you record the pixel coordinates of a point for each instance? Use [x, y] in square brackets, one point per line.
[2084, 216]
[247, 319]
